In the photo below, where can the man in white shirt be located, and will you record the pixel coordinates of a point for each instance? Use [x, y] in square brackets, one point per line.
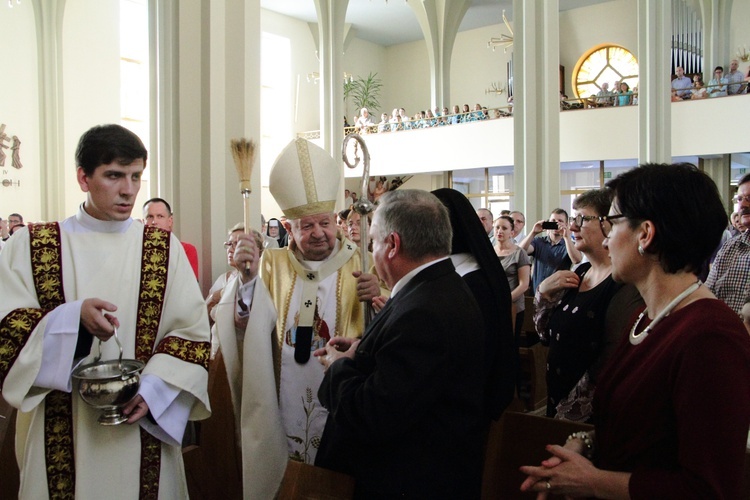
[682, 84]
[90, 276]
[735, 79]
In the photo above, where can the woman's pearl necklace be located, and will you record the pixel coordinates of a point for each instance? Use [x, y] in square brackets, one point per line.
[637, 339]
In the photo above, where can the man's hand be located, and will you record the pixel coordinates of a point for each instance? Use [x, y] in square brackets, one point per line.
[367, 286]
[336, 348]
[136, 409]
[97, 322]
[246, 257]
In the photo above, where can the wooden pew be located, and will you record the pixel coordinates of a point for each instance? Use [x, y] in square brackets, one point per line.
[519, 439]
[213, 466]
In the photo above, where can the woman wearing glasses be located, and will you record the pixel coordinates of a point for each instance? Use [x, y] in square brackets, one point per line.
[672, 405]
[214, 294]
[581, 314]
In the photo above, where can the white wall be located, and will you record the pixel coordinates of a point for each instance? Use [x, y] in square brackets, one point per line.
[475, 67]
[91, 80]
[19, 111]
[738, 33]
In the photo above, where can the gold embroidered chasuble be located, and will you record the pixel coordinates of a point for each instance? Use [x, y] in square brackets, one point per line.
[337, 313]
[108, 460]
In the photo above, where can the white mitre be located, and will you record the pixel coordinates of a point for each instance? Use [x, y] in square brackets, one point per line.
[304, 180]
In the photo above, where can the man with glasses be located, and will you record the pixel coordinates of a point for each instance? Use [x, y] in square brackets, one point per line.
[717, 86]
[519, 222]
[729, 278]
[14, 222]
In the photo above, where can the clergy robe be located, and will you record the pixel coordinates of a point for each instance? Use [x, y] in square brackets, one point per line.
[250, 373]
[337, 313]
[104, 260]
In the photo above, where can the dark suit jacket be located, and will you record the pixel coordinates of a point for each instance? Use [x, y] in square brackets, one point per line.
[406, 414]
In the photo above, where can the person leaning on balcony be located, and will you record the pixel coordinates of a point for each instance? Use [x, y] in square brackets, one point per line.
[603, 97]
[717, 86]
[384, 125]
[681, 84]
[624, 97]
[699, 88]
[456, 116]
[735, 79]
[364, 122]
[396, 121]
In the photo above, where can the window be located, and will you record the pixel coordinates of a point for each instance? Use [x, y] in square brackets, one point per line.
[604, 64]
[135, 100]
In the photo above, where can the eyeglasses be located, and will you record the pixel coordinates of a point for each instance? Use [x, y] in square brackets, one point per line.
[740, 198]
[605, 222]
[579, 219]
[230, 244]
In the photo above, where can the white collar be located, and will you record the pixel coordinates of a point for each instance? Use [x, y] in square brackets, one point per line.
[87, 223]
[405, 279]
[464, 263]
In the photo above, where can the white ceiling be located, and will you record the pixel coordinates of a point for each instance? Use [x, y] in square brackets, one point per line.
[391, 22]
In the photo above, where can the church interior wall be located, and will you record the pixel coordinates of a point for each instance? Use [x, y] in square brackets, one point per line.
[91, 80]
[738, 33]
[408, 77]
[19, 111]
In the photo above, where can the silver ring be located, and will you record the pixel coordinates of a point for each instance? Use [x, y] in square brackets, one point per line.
[549, 486]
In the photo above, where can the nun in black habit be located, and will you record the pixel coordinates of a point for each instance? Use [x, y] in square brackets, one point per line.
[475, 260]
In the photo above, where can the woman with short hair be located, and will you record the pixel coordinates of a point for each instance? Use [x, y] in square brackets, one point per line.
[673, 405]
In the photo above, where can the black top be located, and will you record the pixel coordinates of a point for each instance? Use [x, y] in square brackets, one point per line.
[576, 331]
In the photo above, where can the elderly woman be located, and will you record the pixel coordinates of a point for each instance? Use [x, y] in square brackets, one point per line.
[581, 314]
[673, 405]
[214, 294]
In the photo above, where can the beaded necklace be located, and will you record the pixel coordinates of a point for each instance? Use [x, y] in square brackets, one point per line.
[637, 339]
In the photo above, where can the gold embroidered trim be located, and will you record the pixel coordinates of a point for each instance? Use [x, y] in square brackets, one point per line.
[15, 330]
[308, 178]
[46, 264]
[150, 466]
[58, 444]
[318, 207]
[154, 272]
[186, 350]
[59, 452]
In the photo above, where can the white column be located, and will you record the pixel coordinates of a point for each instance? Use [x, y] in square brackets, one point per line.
[536, 107]
[654, 85]
[331, 16]
[439, 20]
[719, 169]
[54, 168]
[209, 93]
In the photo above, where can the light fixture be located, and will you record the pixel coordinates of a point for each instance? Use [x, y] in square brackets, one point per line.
[314, 77]
[10, 3]
[504, 40]
[495, 88]
[743, 53]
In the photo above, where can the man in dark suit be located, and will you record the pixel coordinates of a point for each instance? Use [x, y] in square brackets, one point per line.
[406, 402]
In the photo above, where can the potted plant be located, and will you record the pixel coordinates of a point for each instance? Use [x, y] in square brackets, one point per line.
[364, 92]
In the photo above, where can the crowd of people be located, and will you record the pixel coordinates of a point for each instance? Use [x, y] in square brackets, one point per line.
[398, 119]
[734, 82]
[390, 372]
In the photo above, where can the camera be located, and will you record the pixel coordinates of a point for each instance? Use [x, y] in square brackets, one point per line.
[548, 224]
